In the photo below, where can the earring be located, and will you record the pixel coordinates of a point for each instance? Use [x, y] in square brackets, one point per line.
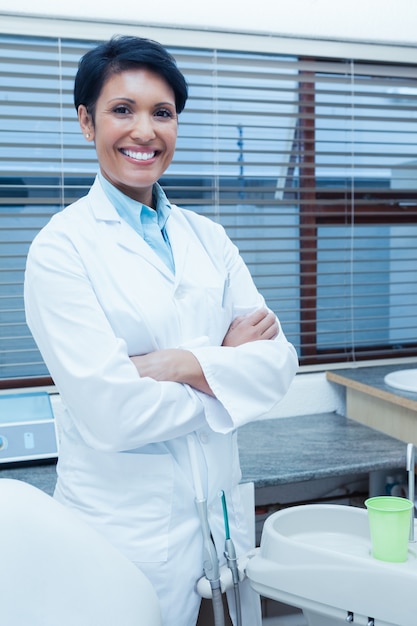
[87, 136]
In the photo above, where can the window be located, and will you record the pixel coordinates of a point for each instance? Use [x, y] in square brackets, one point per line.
[358, 211]
[310, 164]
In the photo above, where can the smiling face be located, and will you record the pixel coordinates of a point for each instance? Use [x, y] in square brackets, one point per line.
[134, 130]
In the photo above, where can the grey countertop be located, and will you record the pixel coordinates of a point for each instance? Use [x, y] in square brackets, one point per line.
[311, 447]
[41, 475]
[284, 450]
[371, 380]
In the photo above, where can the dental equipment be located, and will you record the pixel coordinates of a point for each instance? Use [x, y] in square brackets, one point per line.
[211, 564]
[230, 554]
[210, 561]
[411, 484]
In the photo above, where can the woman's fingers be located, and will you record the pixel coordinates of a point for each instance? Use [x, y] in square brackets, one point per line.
[261, 324]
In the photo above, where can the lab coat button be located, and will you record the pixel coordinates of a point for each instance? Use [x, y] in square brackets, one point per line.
[204, 437]
[180, 293]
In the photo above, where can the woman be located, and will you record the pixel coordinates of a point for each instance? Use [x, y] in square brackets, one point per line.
[156, 342]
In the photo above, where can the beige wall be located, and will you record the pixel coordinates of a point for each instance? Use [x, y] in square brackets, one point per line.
[370, 30]
[379, 21]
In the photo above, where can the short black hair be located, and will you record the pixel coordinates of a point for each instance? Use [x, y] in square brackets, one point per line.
[123, 53]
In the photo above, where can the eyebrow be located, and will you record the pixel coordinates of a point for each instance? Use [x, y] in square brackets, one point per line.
[132, 101]
[122, 98]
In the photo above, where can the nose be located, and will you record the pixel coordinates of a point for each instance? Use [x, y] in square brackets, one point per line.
[143, 128]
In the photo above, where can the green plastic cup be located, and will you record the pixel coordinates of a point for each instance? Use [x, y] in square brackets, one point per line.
[389, 524]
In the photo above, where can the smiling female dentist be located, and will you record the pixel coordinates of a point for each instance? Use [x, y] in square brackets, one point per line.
[149, 340]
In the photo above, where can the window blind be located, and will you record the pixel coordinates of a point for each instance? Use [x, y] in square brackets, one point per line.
[309, 164]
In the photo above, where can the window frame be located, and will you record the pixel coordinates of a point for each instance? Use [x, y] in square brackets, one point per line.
[317, 207]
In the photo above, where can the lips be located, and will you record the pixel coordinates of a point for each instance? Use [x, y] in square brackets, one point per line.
[137, 155]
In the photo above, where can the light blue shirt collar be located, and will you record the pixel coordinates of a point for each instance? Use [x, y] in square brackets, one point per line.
[131, 210]
[143, 218]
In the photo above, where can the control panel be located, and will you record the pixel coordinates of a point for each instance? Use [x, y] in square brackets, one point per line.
[27, 427]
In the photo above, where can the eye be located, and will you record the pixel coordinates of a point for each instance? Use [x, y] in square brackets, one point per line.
[121, 109]
[165, 113]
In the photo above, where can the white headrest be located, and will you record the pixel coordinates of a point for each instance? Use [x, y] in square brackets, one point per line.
[57, 571]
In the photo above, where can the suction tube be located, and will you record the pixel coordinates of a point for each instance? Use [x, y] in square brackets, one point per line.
[210, 560]
[211, 563]
[218, 607]
[411, 479]
[230, 554]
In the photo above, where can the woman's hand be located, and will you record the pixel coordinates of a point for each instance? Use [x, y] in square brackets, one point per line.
[181, 366]
[175, 365]
[259, 325]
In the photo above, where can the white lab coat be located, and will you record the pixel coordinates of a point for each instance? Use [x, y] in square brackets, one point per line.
[95, 294]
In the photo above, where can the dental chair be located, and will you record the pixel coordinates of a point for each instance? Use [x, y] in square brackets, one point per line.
[55, 570]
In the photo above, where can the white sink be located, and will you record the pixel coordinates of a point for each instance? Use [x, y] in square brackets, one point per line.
[406, 380]
[318, 558]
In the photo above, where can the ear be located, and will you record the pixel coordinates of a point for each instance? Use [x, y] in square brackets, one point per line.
[86, 122]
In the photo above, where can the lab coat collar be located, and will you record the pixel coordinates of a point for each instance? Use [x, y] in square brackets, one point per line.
[100, 205]
[104, 211]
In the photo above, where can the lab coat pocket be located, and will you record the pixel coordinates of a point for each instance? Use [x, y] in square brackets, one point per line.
[140, 497]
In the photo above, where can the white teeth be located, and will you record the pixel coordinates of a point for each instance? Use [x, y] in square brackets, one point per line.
[139, 156]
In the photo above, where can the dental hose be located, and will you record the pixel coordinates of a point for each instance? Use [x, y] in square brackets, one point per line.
[211, 564]
[210, 561]
[230, 554]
